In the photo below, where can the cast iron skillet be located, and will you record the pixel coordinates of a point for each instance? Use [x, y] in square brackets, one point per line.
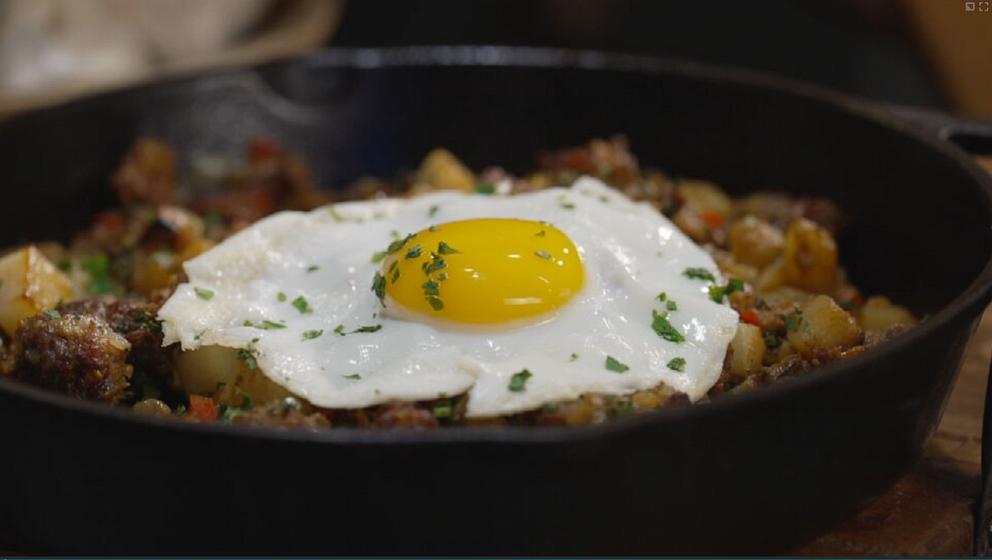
[757, 472]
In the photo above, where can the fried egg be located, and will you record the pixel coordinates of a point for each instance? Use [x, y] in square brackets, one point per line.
[517, 301]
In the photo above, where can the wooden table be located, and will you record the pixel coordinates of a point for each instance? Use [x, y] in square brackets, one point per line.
[929, 511]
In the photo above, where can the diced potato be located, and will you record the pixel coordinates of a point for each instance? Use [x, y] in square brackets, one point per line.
[755, 242]
[29, 284]
[748, 350]
[771, 277]
[211, 370]
[810, 257]
[442, 170]
[822, 325]
[878, 314]
[154, 271]
[704, 196]
[691, 224]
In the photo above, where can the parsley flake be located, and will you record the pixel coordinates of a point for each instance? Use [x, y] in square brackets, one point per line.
[445, 249]
[301, 305]
[664, 328]
[432, 210]
[573, 357]
[442, 411]
[519, 380]
[772, 340]
[435, 303]
[436, 264]
[352, 376]
[430, 288]
[313, 268]
[53, 313]
[543, 254]
[541, 233]
[793, 320]
[565, 203]
[662, 296]
[616, 365]
[310, 335]
[379, 287]
[485, 188]
[413, 253]
[377, 257]
[367, 329]
[676, 364]
[699, 273]
[203, 293]
[671, 305]
[281, 296]
[339, 330]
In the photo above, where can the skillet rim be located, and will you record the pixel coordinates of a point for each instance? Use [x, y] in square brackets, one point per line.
[970, 302]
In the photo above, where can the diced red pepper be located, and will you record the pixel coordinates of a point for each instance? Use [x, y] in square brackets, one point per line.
[749, 316]
[262, 149]
[712, 219]
[202, 408]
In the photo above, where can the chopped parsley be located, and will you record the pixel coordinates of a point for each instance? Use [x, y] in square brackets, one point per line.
[624, 408]
[671, 305]
[310, 335]
[793, 320]
[485, 188]
[301, 305]
[398, 244]
[432, 210]
[203, 293]
[565, 203]
[717, 293]
[445, 249]
[265, 325]
[367, 329]
[437, 263]
[430, 288]
[339, 330]
[98, 269]
[664, 328]
[699, 273]
[541, 233]
[281, 296]
[379, 287]
[573, 357]
[543, 254]
[442, 411]
[772, 340]
[394, 272]
[662, 296]
[616, 365]
[435, 303]
[313, 268]
[53, 313]
[519, 380]
[676, 364]
[248, 355]
[378, 256]
[352, 376]
[414, 252]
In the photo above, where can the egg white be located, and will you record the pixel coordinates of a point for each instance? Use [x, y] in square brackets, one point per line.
[630, 252]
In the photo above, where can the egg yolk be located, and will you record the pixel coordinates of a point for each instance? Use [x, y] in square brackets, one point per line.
[482, 272]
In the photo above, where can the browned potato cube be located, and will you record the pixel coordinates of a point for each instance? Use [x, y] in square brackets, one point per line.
[442, 170]
[878, 314]
[755, 242]
[810, 257]
[821, 324]
[748, 350]
[29, 284]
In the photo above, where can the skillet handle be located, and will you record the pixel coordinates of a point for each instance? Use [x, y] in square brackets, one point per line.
[971, 135]
[975, 137]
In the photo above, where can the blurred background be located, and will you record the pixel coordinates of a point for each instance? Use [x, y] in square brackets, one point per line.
[932, 53]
